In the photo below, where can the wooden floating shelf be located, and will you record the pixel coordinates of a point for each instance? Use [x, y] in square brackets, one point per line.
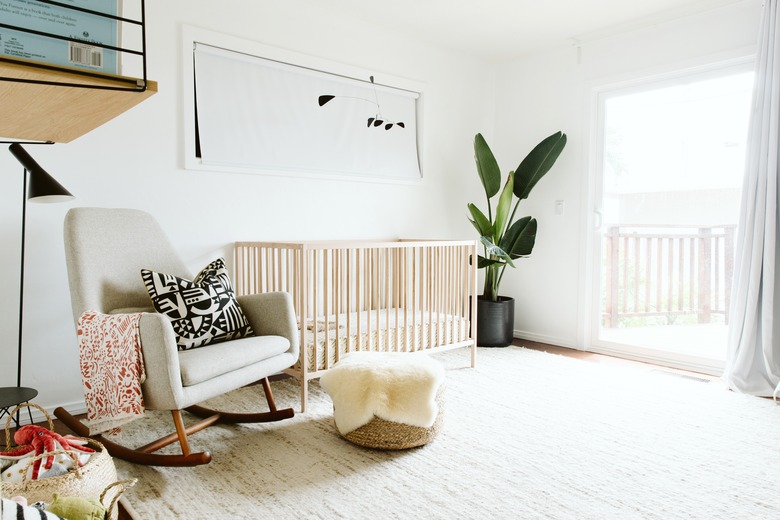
[58, 113]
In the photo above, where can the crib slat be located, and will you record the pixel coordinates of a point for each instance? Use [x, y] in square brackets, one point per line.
[436, 294]
[375, 301]
[448, 307]
[303, 270]
[386, 303]
[416, 261]
[349, 299]
[309, 301]
[431, 291]
[473, 324]
[377, 297]
[358, 305]
[325, 311]
[456, 296]
[464, 296]
[337, 300]
[369, 296]
[402, 292]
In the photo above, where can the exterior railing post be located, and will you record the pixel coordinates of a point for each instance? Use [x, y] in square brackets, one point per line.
[728, 269]
[704, 293]
[612, 268]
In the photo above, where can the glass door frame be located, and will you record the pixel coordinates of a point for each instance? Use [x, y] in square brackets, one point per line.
[593, 230]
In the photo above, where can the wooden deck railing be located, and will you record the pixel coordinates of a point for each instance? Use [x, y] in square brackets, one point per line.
[667, 271]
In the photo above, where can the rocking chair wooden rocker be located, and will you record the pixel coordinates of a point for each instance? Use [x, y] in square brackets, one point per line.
[105, 251]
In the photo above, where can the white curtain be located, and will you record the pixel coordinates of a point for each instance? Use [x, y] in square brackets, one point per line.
[753, 358]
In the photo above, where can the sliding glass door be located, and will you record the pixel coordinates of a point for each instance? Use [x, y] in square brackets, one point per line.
[671, 162]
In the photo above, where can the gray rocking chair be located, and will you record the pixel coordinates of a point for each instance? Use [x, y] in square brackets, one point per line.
[105, 251]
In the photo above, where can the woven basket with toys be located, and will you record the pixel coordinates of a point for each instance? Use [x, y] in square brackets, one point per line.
[69, 474]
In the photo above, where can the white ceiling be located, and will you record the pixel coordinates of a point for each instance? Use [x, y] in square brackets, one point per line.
[504, 29]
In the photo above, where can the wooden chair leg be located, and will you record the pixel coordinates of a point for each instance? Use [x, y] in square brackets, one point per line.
[181, 433]
[269, 395]
[145, 455]
[274, 414]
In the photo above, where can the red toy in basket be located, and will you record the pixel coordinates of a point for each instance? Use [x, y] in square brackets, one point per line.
[40, 440]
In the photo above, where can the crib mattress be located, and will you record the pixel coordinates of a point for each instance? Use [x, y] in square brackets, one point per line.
[386, 330]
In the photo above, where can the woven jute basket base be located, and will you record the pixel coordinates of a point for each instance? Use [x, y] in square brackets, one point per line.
[95, 479]
[388, 435]
[92, 480]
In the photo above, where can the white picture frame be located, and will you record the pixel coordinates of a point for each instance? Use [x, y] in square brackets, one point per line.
[345, 113]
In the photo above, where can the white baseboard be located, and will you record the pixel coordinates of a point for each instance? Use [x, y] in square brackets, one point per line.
[75, 408]
[544, 338]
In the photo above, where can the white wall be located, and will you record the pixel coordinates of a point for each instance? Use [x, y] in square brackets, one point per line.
[547, 92]
[136, 161]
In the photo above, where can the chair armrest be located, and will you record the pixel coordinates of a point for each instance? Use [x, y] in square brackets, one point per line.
[163, 388]
[272, 314]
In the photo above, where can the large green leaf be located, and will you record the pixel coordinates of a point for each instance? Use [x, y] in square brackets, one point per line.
[520, 238]
[537, 163]
[502, 210]
[487, 166]
[483, 262]
[480, 221]
[494, 250]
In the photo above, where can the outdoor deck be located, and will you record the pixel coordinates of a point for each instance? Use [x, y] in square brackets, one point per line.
[668, 288]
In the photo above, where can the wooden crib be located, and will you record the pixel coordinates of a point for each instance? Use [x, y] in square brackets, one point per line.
[402, 296]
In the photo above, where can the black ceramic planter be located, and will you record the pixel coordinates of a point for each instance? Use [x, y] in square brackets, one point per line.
[495, 322]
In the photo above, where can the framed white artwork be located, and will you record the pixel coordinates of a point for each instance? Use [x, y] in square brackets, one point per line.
[257, 109]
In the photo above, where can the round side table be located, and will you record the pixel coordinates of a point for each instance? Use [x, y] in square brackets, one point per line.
[10, 396]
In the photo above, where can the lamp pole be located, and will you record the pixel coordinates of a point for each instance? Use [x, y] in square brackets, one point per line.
[21, 282]
[39, 185]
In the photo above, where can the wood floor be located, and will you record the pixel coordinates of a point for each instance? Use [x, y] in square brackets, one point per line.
[543, 347]
[605, 359]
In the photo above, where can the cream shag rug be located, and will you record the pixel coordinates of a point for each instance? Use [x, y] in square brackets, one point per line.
[525, 435]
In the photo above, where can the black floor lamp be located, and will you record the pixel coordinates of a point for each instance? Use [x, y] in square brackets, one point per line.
[38, 186]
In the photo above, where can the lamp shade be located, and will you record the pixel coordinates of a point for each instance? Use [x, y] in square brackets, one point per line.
[42, 187]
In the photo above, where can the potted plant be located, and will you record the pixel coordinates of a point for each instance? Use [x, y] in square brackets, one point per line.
[505, 239]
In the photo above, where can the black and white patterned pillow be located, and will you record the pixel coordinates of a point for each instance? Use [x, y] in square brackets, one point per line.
[202, 311]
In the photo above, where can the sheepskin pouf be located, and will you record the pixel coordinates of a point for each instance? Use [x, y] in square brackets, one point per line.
[386, 400]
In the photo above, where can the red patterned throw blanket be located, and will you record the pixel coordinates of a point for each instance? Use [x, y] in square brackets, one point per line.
[112, 369]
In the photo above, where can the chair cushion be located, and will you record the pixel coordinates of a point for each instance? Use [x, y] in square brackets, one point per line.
[202, 311]
[202, 364]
